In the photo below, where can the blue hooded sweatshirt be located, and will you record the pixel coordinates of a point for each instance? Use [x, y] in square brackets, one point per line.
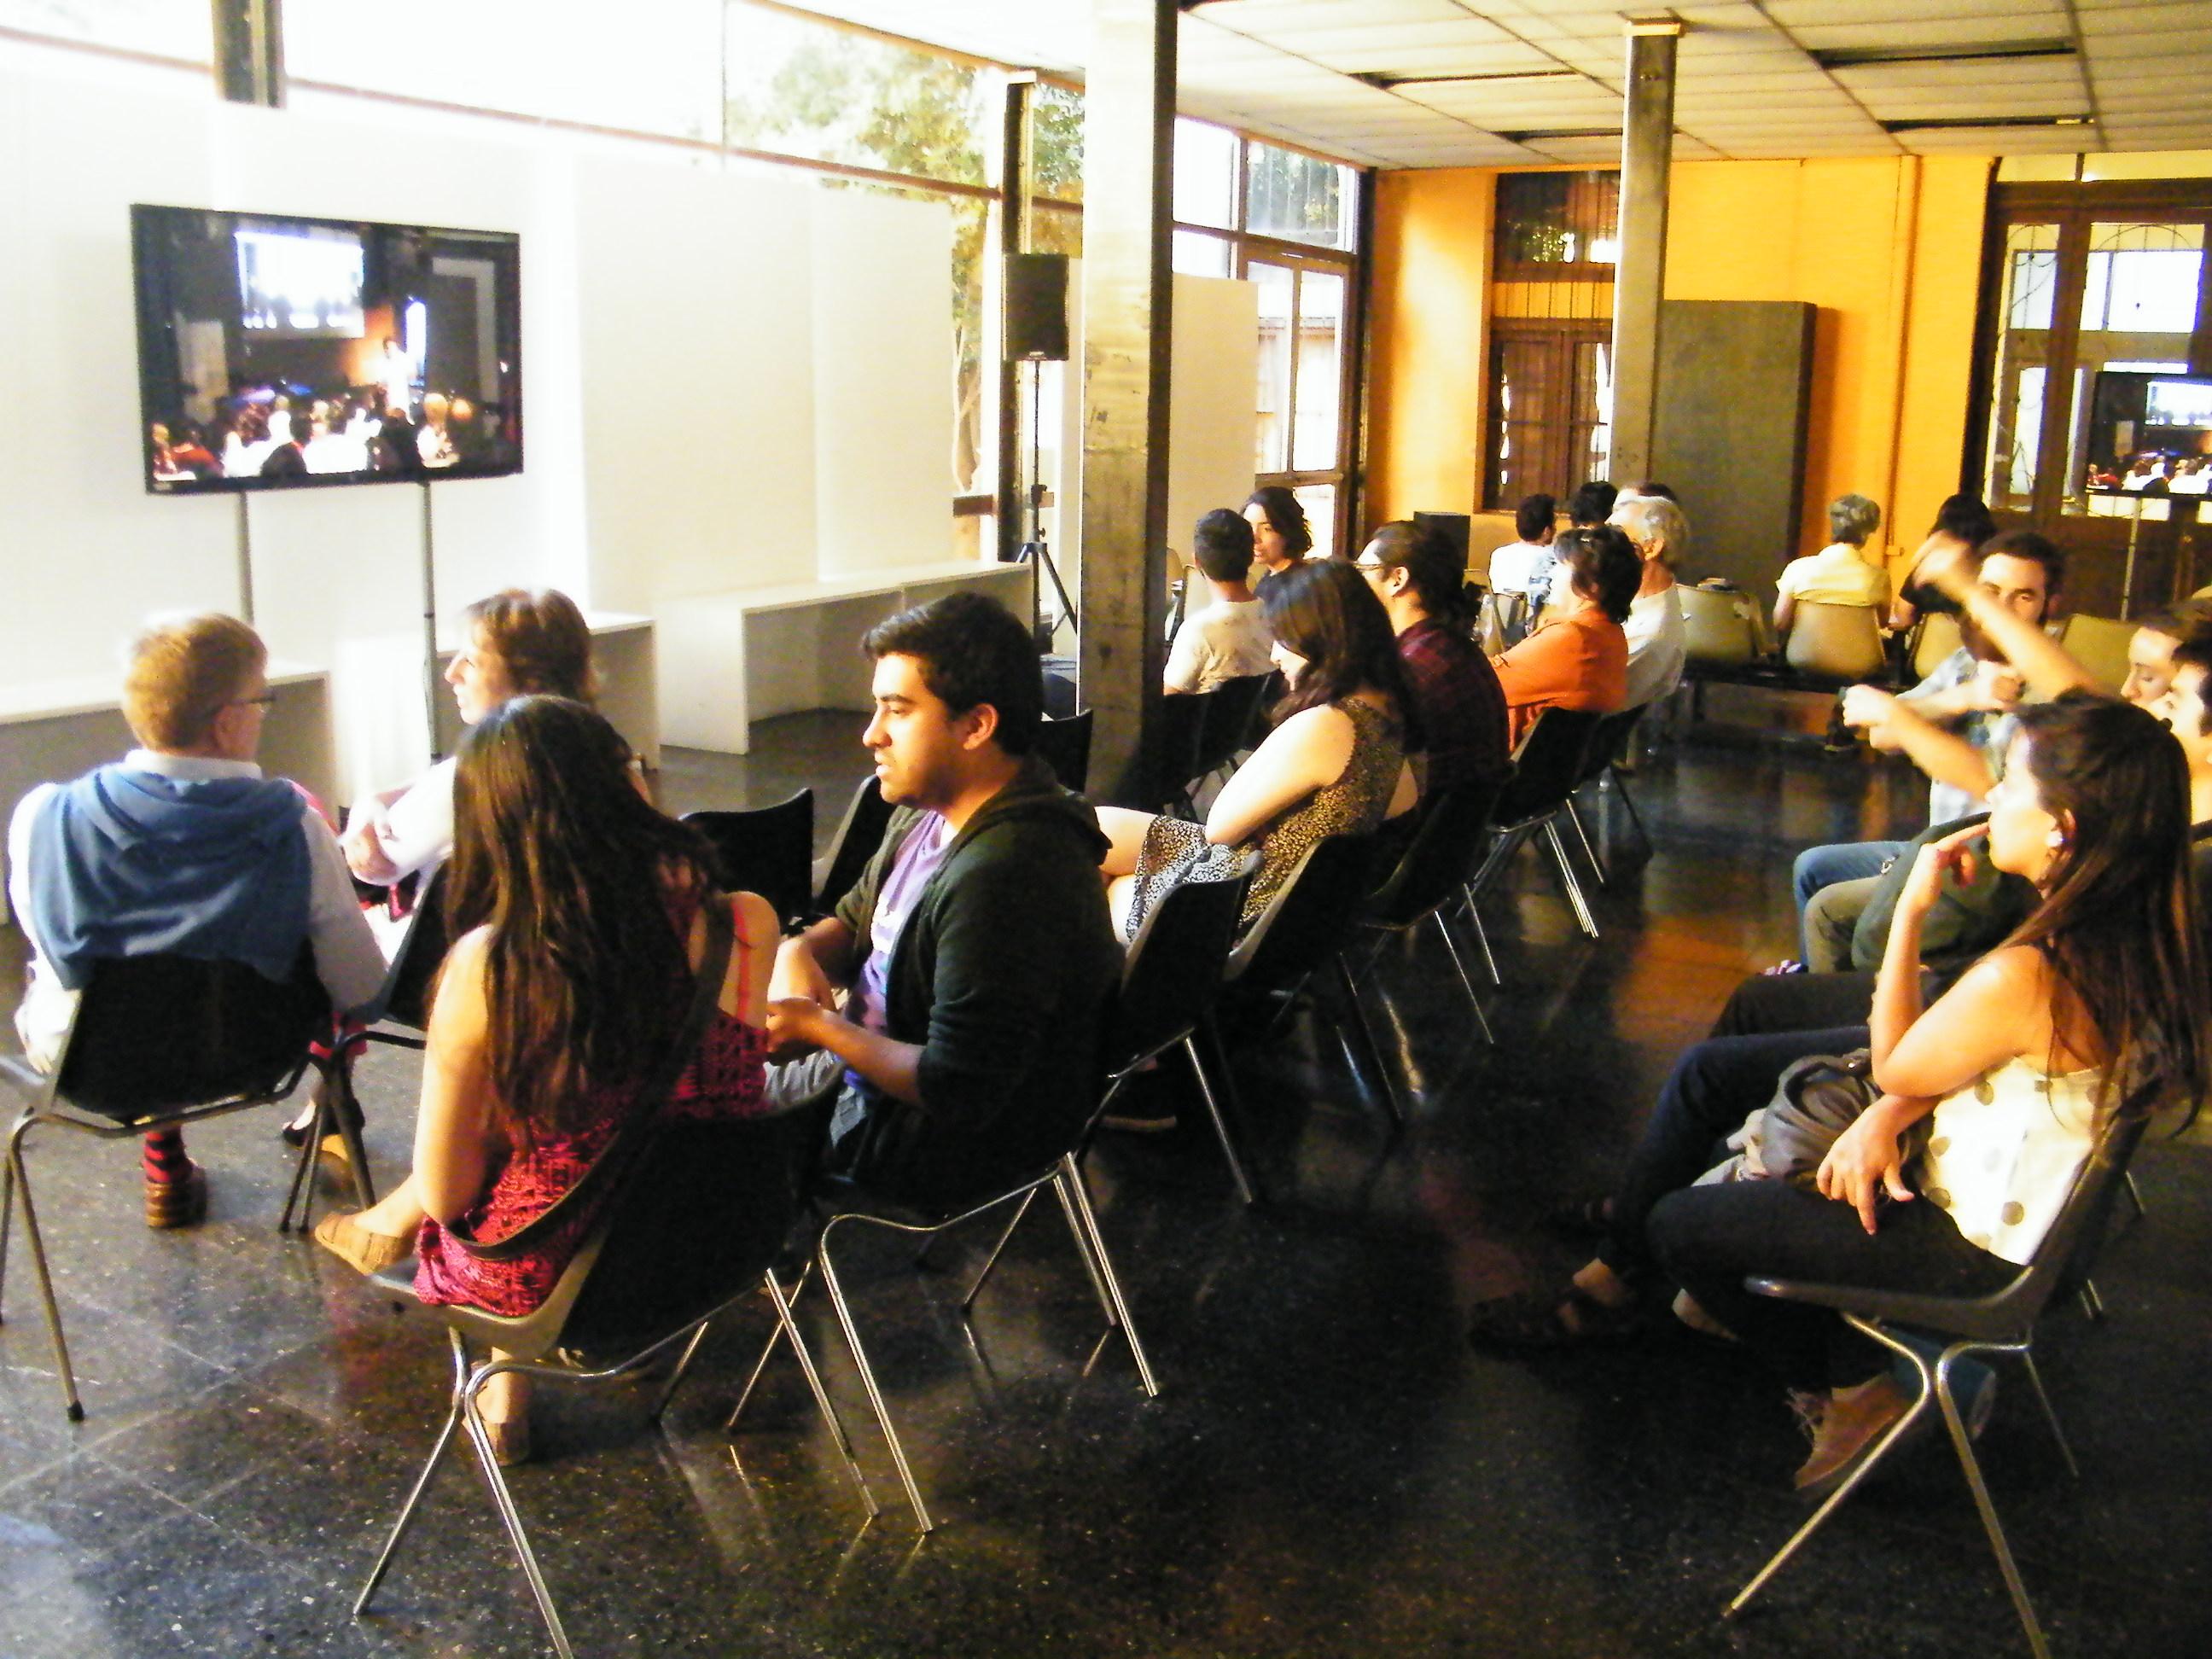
[131, 863]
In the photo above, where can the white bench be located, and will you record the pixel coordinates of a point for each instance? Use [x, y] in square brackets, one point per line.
[727, 659]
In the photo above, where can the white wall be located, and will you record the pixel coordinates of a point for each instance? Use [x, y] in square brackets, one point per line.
[703, 413]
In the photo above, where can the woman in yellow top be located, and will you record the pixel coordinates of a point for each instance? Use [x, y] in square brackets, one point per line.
[1840, 573]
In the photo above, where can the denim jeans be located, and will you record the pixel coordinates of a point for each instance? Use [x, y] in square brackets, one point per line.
[1821, 867]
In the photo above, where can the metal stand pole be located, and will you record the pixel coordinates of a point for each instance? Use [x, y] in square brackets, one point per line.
[245, 564]
[431, 677]
[2128, 572]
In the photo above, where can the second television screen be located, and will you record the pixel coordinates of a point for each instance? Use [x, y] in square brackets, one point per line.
[277, 352]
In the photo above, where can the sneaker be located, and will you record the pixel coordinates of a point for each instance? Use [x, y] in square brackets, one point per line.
[1847, 1429]
[1973, 1382]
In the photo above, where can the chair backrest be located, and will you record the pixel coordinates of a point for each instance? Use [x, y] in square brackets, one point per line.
[2101, 644]
[159, 1033]
[1311, 917]
[1175, 963]
[1835, 641]
[695, 1222]
[405, 998]
[868, 815]
[1436, 862]
[1548, 764]
[1938, 637]
[1065, 745]
[1182, 721]
[769, 850]
[1716, 626]
[1609, 741]
[1231, 720]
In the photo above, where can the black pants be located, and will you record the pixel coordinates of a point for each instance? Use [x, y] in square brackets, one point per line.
[1709, 1239]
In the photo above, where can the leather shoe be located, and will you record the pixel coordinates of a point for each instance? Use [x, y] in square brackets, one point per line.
[1849, 1428]
[363, 1251]
[178, 1203]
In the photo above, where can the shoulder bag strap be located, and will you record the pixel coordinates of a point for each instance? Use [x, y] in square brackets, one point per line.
[622, 1149]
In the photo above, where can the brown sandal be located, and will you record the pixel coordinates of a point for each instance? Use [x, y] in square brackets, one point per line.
[363, 1251]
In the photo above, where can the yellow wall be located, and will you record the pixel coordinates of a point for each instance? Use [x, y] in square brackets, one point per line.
[1888, 249]
[1427, 343]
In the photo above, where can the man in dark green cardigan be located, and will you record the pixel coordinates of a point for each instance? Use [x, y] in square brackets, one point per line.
[975, 952]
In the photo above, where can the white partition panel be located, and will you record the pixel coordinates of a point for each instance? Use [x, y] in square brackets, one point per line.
[882, 364]
[698, 415]
[1213, 418]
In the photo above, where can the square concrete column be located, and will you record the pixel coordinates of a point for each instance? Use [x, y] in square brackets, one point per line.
[1647, 150]
[1129, 151]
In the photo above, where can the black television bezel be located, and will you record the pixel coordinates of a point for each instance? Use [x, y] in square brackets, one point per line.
[144, 321]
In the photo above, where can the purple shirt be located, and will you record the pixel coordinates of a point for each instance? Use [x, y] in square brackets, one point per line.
[919, 856]
[1461, 704]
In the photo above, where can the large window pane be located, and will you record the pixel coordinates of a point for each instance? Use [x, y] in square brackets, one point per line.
[2138, 304]
[2029, 272]
[1195, 253]
[1056, 138]
[1275, 283]
[1558, 218]
[1320, 371]
[166, 28]
[1319, 502]
[1299, 198]
[805, 88]
[1204, 175]
[652, 69]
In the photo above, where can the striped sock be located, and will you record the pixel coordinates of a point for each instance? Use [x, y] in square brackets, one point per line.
[164, 1157]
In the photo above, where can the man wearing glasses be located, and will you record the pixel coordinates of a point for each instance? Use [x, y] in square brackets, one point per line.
[181, 848]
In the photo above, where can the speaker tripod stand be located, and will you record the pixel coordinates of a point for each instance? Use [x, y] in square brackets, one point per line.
[1035, 550]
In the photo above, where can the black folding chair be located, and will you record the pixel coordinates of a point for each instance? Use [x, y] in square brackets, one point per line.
[693, 1227]
[1601, 767]
[1547, 766]
[769, 850]
[1233, 723]
[158, 1042]
[2002, 1322]
[1430, 876]
[1065, 745]
[1302, 932]
[1183, 723]
[860, 832]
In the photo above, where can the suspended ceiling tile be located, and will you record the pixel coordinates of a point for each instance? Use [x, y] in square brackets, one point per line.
[1870, 81]
[1389, 57]
[1267, 17]
[1933, 31]
[1996, 141]
[1811, 13]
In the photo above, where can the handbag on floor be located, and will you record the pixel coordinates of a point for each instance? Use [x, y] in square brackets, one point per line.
[1817, 1098]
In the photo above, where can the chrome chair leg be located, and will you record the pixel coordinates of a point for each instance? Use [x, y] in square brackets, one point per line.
[2134, 1194]
[1567, 877]
[868, 1381]
[1367, 1042]
[675, 1377]
[1083, 1249]
[2050, 1414]
[1621, 787]
[1589, 851]
[1451, 944]
[1482, 938]
[1213, 1110]
[1077, 1198]
[1964, 1443]
[992, 1260]
[422, 1481]
[787, 1327]
[7, 1216]
[503, 1500]
[20, 1185]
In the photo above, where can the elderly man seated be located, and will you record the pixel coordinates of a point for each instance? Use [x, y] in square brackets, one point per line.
[181, 848]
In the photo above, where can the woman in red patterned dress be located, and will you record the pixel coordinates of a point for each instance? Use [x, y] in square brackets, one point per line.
[576, 912]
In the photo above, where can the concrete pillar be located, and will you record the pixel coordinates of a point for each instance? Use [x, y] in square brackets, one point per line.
[1128, 147]
[1647, 148]
[249, 52]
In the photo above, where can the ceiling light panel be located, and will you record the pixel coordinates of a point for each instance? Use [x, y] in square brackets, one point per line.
[1794, 14]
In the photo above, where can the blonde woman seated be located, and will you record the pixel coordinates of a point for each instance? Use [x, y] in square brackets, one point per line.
[1840, 573]
[1333, 765]
[517, 642]
[578, 912]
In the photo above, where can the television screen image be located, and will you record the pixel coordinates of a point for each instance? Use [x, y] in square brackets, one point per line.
[2150, 434]
[277, 352]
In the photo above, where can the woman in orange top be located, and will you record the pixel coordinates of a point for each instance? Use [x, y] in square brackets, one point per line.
[1579, 659]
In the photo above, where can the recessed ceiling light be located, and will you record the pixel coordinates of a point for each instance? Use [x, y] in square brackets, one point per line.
[1506, 77]
[1546, 134]
[1959, 123]
[1970, 51]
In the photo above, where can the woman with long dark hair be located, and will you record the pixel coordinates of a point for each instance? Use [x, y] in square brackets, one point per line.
[1333, 763]
[578, 914]
[2094, 1009]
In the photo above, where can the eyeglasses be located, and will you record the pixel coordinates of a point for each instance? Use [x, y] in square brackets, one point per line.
[1368, 564]
[266, 700]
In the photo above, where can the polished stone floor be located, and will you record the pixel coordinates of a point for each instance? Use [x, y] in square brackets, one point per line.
[1328, 1468]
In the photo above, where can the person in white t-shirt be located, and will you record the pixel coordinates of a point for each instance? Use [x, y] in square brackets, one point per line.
[517, 642]
[1525, 567]
[1840, 573]
[1229, 639]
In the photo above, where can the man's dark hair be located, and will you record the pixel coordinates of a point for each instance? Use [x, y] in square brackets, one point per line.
[2196, 652]
[972, 650]
[1652, 490]
[1438, 582]
[1535, 514]
[1222, 546]
[2027, 544]
[1605, 567]
[1592, 504]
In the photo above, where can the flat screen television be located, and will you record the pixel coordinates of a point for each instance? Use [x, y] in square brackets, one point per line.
[2149, 433]
[277, 352]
